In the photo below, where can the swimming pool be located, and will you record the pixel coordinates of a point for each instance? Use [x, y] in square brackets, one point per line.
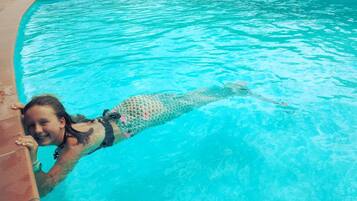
[94, 55]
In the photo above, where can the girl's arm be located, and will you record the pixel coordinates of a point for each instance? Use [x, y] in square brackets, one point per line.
[63, 166]
[65, 163]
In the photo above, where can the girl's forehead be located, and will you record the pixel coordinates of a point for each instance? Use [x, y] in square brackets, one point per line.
[40, 111]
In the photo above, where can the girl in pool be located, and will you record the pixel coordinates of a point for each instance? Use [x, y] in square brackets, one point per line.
[47, 123]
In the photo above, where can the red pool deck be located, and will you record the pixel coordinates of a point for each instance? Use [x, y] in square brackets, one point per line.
[17, 181]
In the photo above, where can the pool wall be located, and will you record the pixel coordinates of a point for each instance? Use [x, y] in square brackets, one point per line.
[17, 181]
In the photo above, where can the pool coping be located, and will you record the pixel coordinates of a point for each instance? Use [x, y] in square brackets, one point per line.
[17, 179]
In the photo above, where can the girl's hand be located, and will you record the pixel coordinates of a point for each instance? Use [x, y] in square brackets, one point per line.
[17, 106]
[30, 143]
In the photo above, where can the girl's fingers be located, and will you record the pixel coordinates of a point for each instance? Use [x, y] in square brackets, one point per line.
[26, 137]
[26, 144]
[16, 106]
[30, 144]
[26, 141]
[21, 141]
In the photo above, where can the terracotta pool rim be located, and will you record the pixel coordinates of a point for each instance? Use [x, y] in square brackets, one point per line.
[18, 182]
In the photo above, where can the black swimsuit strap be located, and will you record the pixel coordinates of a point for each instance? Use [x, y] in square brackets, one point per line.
[109, 135]
[60, 147]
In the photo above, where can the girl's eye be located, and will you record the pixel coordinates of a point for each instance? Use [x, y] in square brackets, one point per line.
[43, 123]
[30, 125]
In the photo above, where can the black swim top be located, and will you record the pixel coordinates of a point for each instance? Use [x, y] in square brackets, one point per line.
[108, 138]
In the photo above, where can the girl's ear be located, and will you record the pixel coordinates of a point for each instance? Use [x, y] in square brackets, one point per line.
[62, 122]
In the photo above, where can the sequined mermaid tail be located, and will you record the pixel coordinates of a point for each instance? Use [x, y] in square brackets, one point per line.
[143, 111]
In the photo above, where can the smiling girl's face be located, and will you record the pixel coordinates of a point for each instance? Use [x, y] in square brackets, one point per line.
[44, 125]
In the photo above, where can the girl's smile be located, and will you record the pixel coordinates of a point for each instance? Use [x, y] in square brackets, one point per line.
[44, 125]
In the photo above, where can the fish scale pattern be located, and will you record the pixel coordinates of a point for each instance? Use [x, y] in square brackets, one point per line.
[143, 111]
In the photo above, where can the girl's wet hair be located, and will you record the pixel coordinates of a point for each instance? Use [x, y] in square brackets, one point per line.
[56, 105]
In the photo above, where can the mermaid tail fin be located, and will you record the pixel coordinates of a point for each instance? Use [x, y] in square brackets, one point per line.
[241, 89]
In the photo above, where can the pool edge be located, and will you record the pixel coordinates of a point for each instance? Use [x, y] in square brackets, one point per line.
[18, 182]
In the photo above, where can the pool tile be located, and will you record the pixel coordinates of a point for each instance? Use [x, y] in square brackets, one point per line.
[17, 181]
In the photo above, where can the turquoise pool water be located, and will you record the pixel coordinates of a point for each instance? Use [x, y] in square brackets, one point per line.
[94, 54]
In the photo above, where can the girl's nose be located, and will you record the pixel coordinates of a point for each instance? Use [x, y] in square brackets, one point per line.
[38, 129]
